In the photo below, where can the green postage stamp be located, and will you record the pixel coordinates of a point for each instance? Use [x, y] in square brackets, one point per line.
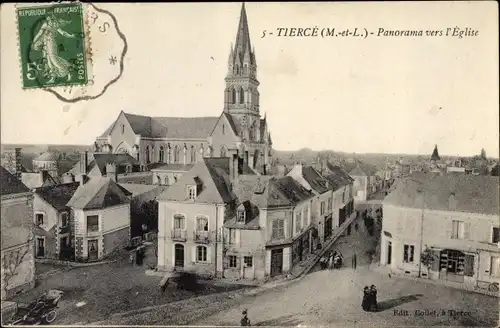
[52, 45]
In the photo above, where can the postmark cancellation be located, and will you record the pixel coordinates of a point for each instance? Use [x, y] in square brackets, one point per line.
[52, 45]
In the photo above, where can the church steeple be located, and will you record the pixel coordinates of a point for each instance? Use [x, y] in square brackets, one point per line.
[435, 154]
[241, 98]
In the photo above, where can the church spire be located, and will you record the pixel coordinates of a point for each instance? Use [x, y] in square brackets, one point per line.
[435, 154]
[242, 46]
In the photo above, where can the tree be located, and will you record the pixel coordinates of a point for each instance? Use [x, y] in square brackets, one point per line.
[483, 153]
[427, 257]
[12, 260]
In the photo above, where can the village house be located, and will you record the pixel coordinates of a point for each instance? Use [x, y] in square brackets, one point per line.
[46, 161]
[53, 238]
[38, 179]
[453, 219]
[222, 219]
[100, 220]
[18, 265]
[342, 198]
[186, 140]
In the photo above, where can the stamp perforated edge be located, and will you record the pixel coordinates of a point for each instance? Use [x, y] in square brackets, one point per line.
[87, 42]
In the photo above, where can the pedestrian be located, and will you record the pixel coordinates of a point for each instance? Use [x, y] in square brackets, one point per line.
[373, 298]
[354, 263]
[365, 304]
[356, 226]
[131, 258]
[244, 320]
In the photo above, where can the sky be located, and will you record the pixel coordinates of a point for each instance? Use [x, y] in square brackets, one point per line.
[373, 95]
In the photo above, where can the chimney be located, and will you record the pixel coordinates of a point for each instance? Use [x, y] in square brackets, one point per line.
[83, 162]
[112, 171]
[19, 162]
[234, 167]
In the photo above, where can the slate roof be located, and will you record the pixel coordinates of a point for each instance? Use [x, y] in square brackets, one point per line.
[359, 168]
[338, 177]
[9, 184]
[171, 167]
[98, 193]
[473, 194]
[169, 127]
[58, 195]
[46, 157]
[292, 191]
[101, 159]
[315, 180]
[137, 189]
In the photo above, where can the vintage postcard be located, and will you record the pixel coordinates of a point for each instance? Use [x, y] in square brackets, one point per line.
[330, 164]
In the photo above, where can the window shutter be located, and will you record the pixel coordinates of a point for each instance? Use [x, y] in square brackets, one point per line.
[466, 230]
[469, 265]
[209, 254]
[194, 254]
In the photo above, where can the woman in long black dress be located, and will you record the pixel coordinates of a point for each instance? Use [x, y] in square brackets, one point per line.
[366, 299]
[373, 298]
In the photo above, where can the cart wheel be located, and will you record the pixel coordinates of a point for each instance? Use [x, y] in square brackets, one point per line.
[51, 316]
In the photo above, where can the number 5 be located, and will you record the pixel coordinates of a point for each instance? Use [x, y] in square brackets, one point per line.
[31, 71]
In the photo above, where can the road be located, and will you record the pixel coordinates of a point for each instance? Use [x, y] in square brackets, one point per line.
[333, 297]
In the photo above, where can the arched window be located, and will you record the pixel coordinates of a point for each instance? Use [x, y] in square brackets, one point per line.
[233, 96]
[201, 254]
[176, 154]
[158, 179]
[169, 154]
[242, 96]
[147, 155]
[222, 151]
[162, 154]
[193, 154]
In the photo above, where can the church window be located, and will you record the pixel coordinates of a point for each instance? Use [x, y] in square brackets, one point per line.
[176, 154]
[233, 96]
[193, 155]
[147, 155]
[169, 154]
[242, 96]
[162, 154]
[123, 128]
[223, 129]
[222, 151]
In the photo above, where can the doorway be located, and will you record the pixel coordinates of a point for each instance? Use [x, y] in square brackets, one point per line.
[40, 247]
[179, 255]
[93, 250]
[276, 262]
[389, 252]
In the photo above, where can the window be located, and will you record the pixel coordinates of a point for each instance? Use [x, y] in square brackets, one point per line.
[241, 216]
[496, 235]
[201, 254]
[232, 261]
[162, 154]
[408, 253]
[39, 219]
[123, 129]
[329, 204]
[242, 96]
[233, 96]
[201, 223]
[64, 220]
[495, 266]
[92, 223]
[179, 222]
[223, 129]
[248, 260]
[278, 229]
[222, 151]
[322, 208]
[298, 221]
[458, 230]
[344, 195]
[191, 192]
[147, 155]
[176, 154]
[193, 155]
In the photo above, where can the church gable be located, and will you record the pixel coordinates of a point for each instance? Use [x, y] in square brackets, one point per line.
[225, 127]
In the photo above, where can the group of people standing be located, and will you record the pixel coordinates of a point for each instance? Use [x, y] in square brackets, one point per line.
[331, 260]
[370, 298]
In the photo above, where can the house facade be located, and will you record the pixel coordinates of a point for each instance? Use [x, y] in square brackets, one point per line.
[18, 265]
[53, 238]
[100, 221]
[222, 219]
[182, 140]
[453, 218]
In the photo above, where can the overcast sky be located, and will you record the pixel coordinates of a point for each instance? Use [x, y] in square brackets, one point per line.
[387, 94]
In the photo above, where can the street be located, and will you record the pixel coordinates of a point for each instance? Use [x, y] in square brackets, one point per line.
[333, 297]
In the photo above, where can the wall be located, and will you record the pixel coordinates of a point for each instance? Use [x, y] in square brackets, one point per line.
[124, 140]
[248, 243]
[166, 245]
[50, 219]
[405, 224]
[273, 214]
[17, 223]
[360, 188]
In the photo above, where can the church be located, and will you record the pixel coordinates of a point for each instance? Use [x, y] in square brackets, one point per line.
[163, 144]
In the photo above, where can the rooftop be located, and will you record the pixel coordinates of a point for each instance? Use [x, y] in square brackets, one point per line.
[58, 195]
[9, 184]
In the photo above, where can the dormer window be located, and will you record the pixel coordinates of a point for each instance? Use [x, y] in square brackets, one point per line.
[191, 192]
[241, 216]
